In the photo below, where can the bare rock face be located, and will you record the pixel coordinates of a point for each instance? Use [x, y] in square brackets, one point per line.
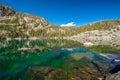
[6, 11]
[12, 18]
[99, 37]
[20, 24]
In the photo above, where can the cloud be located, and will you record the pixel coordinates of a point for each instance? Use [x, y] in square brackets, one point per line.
[68, 24]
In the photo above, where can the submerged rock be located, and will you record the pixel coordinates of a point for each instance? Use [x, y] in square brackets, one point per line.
[102, 66]
[115, 70]
[115, 76]
[45, 73]
[49, 73]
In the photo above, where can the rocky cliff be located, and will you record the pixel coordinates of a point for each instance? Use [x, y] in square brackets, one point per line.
[15, 24]
[100, 33]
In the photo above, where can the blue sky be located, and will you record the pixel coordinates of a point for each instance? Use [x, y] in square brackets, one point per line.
[77, 12]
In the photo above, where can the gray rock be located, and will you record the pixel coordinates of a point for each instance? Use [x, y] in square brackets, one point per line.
[99, 37]
[115, 76]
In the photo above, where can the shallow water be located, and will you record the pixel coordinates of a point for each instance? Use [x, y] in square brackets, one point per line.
[14, 64]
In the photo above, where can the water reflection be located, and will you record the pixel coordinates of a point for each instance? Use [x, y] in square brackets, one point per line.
[62, 54]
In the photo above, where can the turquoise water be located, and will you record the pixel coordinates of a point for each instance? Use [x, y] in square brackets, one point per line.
[58, 54]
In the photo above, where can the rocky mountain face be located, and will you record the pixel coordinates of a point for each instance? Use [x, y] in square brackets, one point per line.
[6, 11]
[14, 24]
[108, 35]
[97, 37]
[19, 25]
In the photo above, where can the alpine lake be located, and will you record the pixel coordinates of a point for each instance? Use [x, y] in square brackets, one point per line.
[53, 60]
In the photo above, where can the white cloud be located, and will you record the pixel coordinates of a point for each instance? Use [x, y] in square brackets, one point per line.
[68, 24]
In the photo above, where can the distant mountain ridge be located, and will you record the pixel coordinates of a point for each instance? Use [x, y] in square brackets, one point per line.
[19, 25]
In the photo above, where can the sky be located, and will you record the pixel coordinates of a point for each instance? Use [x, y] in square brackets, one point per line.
[68, 12]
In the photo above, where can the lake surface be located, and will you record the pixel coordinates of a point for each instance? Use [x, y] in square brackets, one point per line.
[41, 59]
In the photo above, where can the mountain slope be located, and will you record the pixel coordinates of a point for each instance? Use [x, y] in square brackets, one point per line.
[99, 33]
[19, 25]
[14, 24]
